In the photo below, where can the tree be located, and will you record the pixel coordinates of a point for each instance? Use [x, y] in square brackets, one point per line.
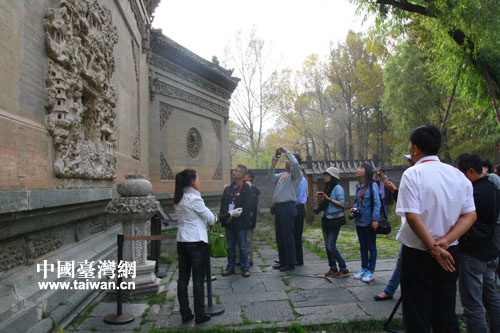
[463, 36]
[251, 102]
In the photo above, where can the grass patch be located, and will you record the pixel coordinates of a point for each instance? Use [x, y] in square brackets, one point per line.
[290, 290]
[371, 325]
[169, 259]
[347, 242]
[85, 314]
[160, 299]
[286, 282]
[217, 299]
[245, 319]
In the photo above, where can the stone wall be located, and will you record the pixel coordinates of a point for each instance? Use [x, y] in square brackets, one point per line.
[78, 111]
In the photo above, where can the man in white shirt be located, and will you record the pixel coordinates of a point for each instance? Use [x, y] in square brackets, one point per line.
[436, 204]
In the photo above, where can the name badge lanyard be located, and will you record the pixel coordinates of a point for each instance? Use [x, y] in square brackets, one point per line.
[234, 195]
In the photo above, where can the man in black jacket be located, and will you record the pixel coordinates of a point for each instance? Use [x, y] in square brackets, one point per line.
[478, 252]
[249, 177]
[237, 195]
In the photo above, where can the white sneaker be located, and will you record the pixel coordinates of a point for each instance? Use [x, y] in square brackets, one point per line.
[367, 277]
[359, 274]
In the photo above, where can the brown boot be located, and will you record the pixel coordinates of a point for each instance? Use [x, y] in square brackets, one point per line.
[228, 272]
[245, 274]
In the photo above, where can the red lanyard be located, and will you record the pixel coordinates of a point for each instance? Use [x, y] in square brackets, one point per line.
[361, 195]
[236, 194]
[427, 161]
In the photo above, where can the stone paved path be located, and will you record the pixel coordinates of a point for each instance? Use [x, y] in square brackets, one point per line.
[268, 298]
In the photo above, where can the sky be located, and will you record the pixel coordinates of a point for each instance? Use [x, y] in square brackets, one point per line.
[293, 29]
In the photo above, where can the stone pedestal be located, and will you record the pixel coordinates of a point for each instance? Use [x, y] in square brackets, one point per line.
[134, 208]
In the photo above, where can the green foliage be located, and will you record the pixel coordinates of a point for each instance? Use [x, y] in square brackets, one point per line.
[457, 38]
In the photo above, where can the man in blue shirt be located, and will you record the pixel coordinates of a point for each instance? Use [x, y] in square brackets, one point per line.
[299, 219]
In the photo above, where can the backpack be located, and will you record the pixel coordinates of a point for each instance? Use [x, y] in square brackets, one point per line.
[384, 228]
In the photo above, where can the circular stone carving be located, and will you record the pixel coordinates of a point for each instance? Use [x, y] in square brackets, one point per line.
[193, 142]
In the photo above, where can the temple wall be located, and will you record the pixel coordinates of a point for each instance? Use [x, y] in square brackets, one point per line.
[69, 134]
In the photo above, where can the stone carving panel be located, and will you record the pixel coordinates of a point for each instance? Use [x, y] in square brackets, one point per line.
[12, 254]
[166, 172]
[174, 92]
[136, 151]
[218, 172]
[165, 112]
[182, 73]
[135, 53]
[45, 241]
[81, 103]
[194, 143]
[216, 124]
[143, 27]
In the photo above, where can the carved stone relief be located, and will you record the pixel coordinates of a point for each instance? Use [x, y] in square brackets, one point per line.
[135, 53]
[81, 103]
[174, 92]
[218, 172]
[166, 172]
[12, 254]
[184, 74]
[136, 152]
[216, 124]
[143, 27]
[165, 112]
[194, 143]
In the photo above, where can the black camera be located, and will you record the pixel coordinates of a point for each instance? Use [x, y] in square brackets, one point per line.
[356, 212]
[278, 153]
[318, 210]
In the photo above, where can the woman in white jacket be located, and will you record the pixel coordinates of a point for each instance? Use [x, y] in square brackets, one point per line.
[192, 242]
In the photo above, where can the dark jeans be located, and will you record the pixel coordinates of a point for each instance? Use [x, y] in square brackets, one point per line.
[476, 283]
[234, 235]
[298, 230]
[330, 235]
[284, 217]
[368, 247]
[393, 284]
[428, 292]
[192, 256]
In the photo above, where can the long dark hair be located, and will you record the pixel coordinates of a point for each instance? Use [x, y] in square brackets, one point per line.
[182, 180]
[328, 188]
[368, 174]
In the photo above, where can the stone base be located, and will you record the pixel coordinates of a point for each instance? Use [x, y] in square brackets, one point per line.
[146, 282]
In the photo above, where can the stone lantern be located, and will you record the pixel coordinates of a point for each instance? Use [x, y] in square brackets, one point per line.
[134, 208]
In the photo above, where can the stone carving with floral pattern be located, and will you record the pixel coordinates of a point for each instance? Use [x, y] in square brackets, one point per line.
[81, 102]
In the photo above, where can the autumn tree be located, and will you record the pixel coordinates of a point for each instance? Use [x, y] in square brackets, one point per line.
[251, 102]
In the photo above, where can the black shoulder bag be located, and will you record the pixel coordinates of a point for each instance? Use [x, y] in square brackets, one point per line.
[384, 228]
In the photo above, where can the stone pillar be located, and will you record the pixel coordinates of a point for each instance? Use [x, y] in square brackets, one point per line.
[134, 208]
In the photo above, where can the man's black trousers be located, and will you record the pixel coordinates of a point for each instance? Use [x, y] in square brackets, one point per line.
[285, 214]
[298, 230]
[428, 292]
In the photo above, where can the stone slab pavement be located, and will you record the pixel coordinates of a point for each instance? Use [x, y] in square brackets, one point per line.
[268, 298]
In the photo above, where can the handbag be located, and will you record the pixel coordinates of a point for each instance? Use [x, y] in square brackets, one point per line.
[336, 222]
[384, 228]
[217, 244]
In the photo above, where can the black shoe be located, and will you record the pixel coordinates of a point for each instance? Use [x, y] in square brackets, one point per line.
[285, 268]
[187, 318]
[382, 298]
[277, 261]
[277, 266]
[203, 319]
[237, 264]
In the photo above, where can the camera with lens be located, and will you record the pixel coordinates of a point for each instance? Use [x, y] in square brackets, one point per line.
[356, 212]
[278, 153]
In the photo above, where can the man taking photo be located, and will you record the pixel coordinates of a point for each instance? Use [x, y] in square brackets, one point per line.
[284, 208]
